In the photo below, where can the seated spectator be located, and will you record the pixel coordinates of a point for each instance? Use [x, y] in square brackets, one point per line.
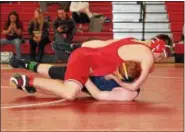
[80, 13]
[63, 4]
[64, 27]
[39, 31]
[64, 30]
[13, 32]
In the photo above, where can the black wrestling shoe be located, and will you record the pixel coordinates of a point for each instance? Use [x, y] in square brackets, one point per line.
[21, 82]
[18, 63]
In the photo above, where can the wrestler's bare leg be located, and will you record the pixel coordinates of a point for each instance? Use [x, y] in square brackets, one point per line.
[43, 69]
[68, 89]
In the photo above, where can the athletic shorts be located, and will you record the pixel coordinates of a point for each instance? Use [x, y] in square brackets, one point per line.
[78, 67]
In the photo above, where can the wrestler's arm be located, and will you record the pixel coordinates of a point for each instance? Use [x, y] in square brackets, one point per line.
[145, 66]
[91, 87]
[117, 94]
[145, 58]
[118, 81]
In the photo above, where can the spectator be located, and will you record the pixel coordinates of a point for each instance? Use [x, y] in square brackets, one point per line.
[13, 32]
[64, 27]
[63, 4]
[39, 31]
[81, 14]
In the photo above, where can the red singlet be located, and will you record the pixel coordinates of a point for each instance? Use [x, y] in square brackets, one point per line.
[103, 61]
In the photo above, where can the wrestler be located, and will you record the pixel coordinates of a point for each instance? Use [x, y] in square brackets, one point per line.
[128, 72]
[103, 60]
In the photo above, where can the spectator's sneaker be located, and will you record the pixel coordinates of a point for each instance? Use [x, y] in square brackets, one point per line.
[106, 19]
[75, 46]
[18, 63]
[21, 82]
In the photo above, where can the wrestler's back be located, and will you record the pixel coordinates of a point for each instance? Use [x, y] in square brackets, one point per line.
[129, 52]
[110, 54]
[98, 43]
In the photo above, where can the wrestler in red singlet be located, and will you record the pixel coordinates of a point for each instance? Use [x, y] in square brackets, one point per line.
[103, 61]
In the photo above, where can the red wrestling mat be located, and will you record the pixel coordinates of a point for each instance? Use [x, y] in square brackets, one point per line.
[159, 107]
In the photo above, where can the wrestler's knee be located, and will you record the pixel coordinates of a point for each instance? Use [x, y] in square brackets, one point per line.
[73, 91]
[71, 96]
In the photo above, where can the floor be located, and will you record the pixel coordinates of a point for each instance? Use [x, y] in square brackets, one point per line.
[159, 107]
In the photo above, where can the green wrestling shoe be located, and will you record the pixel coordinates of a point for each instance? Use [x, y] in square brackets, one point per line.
[21, 82]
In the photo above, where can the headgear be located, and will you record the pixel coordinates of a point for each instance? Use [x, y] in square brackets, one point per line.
[159, 46]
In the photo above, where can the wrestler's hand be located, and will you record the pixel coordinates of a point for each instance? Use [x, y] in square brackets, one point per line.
[112, 77]
[109, 77]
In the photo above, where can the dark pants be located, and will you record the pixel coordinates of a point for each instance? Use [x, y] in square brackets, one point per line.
[63, 4]
[60, 37]
[80, 17]
[41, 45]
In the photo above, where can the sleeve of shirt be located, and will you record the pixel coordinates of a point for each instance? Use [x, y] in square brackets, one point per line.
[72, 26]
[45, 32]
[55, 25]
[30, 28]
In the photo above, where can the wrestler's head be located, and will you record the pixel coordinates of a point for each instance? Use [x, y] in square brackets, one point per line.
[161, 46]
[129, 71]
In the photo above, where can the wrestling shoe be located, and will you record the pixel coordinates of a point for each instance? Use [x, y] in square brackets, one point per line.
[21, 82]
[18, 63]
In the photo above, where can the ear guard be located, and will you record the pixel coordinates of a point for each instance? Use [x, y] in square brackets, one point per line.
[158, 46]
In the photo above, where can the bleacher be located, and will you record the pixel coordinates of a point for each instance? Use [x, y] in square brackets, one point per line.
[26, 11]
[176, 19]
[161, 17]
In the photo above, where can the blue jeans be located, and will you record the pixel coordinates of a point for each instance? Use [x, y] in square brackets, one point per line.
[16, 42]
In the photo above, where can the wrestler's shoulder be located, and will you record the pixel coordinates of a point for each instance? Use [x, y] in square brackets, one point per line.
[135, 51]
